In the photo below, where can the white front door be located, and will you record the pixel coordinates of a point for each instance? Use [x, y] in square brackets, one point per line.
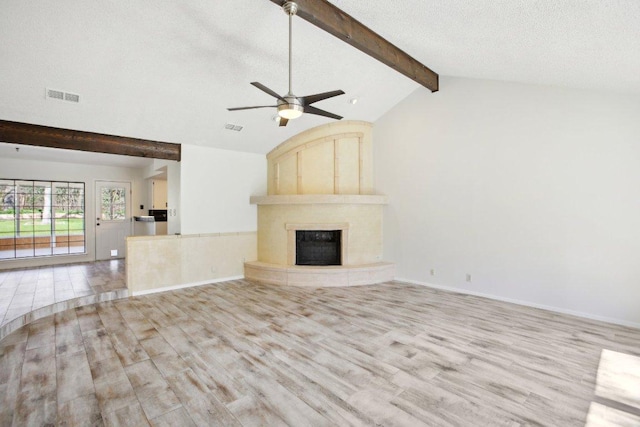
[113, 219]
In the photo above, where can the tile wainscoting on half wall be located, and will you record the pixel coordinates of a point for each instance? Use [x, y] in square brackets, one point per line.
[162, 263]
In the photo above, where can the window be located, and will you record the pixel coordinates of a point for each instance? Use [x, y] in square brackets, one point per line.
[114, 204]
[41, 218]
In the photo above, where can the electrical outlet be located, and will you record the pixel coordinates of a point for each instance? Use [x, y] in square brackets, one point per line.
[468, 277]
[432, 272]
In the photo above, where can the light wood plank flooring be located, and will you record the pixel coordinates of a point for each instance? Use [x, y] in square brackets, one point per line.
[239, 353]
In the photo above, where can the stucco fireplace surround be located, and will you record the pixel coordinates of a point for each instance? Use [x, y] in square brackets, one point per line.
[319, 180]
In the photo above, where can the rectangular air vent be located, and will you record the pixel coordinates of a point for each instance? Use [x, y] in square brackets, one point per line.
[230, 126]
[55, 94]
[62, 96]
[72, 97]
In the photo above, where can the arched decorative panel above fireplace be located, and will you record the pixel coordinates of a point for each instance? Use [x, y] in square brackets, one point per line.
[332, 159]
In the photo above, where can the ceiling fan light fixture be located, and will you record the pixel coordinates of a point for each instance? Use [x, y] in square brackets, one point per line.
[290, 111]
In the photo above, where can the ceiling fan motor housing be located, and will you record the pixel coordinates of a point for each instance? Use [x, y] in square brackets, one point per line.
[290, 108]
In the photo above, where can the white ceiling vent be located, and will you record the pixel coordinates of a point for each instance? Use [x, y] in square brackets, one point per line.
[72, 97]
[62, 96]
[55, 94]
[230, 126]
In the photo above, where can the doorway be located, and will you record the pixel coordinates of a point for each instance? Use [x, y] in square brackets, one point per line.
[113, 218]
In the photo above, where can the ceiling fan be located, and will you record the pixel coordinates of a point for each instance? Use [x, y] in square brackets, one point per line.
[290, 106]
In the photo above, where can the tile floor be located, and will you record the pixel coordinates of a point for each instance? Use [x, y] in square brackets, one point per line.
[240, 353]
[27, 294]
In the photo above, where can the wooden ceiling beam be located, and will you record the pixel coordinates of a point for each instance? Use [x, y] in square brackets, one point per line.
[333, 20]
[44, 136]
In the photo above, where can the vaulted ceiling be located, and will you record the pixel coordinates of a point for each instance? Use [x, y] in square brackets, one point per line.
[167, 71]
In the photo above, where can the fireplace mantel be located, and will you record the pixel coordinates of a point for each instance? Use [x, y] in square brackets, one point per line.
[320, 199]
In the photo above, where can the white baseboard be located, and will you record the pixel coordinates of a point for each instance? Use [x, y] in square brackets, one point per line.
[185, 285]
[525, 303]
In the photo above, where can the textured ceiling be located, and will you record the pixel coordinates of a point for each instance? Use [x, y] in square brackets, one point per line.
[167, 70]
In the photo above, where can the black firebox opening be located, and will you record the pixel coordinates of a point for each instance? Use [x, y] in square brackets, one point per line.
[318, 247]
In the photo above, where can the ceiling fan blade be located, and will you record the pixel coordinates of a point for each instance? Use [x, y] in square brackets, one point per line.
[251, 108]
[283, 122]
[313, 110]
[267, 90]
[310, 99]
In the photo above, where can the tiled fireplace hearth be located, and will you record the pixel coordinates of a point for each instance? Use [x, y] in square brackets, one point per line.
[320, 188]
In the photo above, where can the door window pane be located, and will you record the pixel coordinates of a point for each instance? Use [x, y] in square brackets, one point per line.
[113, 204]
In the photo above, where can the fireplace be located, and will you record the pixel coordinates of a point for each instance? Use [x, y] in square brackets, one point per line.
[319, 250]
[318, 247]
[320, 223]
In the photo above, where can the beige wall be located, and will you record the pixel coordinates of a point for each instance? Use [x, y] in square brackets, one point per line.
[331, 159]
[157, 263]
[364, 229]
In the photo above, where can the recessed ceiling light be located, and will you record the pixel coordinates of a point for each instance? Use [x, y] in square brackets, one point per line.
[353, 101]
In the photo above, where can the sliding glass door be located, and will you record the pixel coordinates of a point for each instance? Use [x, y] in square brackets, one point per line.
[41, 218]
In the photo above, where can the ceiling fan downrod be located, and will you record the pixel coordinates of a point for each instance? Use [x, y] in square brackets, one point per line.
[290, 8]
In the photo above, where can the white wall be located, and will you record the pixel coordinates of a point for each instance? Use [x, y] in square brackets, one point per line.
[533, 190]
[208, 192]
[31, 169]
[173, 197]
[215, 186]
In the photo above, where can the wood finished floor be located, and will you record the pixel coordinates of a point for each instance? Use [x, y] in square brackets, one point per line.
[239, 353]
